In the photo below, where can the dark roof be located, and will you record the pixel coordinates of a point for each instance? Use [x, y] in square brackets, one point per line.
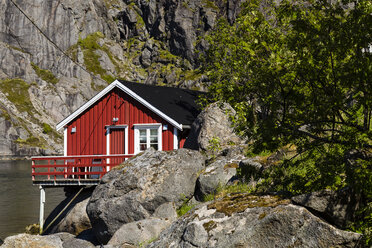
[179, 104]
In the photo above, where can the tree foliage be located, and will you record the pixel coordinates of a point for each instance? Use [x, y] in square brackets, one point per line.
[300, 73]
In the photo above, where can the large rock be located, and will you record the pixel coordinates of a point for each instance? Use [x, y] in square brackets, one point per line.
[241, 220]
[251, 170]
[74, 219]
[217, 174]
[135, 190]
[212, 129]
[32, 241]
[59, 240]
[139, 232]
[166, 211]
[337, 207]
[77, 243]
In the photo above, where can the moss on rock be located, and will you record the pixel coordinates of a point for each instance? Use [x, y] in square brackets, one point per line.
[16, 90]
[31, 141]
[91, 59]
[210, 225]
[239, 202]
[4, 113]
[45, 75]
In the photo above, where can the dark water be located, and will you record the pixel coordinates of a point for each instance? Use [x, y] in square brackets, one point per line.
[19, 199]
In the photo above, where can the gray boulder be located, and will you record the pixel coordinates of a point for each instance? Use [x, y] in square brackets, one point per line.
[135, 190]
[212, 129]
[32, 241]
[251, 169]
[242, 220]
[337, 207]
[77, 243]
[166, 211]
[217, 174]
[70, 241]
[74, 219]
[139, 232]
[58, 240]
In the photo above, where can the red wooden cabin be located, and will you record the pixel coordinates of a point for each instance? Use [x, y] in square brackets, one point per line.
[122, 120]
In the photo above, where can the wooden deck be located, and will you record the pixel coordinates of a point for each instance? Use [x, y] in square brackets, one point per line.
[57, 171]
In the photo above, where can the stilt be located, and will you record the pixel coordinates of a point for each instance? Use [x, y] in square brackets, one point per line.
[42, 203]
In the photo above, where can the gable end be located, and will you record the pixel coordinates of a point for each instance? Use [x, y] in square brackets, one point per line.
[125, 89]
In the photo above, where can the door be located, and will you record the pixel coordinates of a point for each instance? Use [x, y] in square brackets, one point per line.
[117, 143]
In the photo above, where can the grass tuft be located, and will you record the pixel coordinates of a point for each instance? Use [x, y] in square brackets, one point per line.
[16, 90]
[91, 59]
[45, 75]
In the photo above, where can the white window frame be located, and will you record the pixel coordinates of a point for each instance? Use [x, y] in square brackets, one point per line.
[137, 127]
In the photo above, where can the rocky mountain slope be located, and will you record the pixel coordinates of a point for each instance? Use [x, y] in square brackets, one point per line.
[55, 55]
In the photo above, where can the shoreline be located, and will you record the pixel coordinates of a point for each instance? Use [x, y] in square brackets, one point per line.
[26, 157]
[14, 158]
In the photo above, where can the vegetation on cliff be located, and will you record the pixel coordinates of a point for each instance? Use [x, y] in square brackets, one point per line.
[298, 74]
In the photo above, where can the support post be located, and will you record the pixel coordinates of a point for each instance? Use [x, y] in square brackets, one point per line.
[42, 203]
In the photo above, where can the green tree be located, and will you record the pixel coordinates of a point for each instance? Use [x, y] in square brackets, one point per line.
[300, 73]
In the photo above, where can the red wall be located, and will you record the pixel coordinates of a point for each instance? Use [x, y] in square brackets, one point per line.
[90, 135]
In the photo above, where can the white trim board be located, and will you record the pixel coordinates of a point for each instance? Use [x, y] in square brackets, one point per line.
[175, 138]
[65, 141]
[131, 93]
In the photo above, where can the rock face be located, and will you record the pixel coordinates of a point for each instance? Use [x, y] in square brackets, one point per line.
[247, 221]
[212, 129]
[136, 190]
[33, 68]
[60, 54]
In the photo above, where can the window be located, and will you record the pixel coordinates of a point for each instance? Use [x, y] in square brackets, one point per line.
[146, 136]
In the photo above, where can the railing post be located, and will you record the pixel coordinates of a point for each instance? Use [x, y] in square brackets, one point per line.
[108, 161]
[78, 169]
[33, 169]
[48, 169]
[65, 168]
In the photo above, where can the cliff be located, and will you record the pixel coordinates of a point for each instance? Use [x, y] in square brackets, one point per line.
[56, 55]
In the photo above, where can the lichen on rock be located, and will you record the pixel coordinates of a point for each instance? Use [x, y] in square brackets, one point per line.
[239, 202]
[265, 221]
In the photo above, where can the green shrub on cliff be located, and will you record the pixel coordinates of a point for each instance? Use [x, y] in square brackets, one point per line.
[16, 90]
[45, 75]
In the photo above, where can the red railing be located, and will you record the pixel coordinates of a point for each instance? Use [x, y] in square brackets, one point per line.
[74, 167]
